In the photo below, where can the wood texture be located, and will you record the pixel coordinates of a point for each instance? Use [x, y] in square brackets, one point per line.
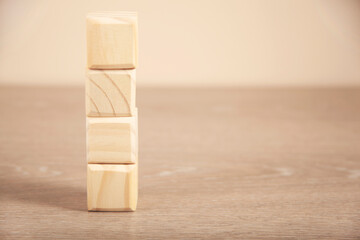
[112, 40]
[112, 187]
[215, 164]
[112, 140]
[110, 93]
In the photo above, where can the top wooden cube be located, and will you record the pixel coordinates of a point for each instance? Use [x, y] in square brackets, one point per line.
[112, 40]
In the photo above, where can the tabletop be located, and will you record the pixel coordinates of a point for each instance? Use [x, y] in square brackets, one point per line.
[214, 163]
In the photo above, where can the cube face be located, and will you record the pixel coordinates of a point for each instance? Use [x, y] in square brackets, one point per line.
[112, 140]
[112, 40]
[110, 93]
[112, 187]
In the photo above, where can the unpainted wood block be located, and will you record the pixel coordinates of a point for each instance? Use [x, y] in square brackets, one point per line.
[112, 187]
[112, 40]
[112, 140]
[110, 93]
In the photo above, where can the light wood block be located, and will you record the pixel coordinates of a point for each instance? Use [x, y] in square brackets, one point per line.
[110, 93]
[112, 140]
[112, 40]
[112, 187]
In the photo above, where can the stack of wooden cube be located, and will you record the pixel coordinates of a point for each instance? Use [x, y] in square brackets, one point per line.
[111, 114]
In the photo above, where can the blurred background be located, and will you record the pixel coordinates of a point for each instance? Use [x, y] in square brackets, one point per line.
[198, 43]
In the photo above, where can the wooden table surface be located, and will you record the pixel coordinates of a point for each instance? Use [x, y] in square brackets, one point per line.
[214, 164]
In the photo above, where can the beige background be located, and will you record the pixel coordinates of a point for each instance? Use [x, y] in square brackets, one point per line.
[191, 43]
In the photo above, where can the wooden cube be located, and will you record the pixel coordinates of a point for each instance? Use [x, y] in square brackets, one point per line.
[112, 40]
[112, 140]
[112, 187]
[110, 93]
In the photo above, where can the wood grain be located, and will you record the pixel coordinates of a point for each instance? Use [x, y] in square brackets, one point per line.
[215, 164]
[112, 187]
[112, 140]
[112, 40]
[110, 93]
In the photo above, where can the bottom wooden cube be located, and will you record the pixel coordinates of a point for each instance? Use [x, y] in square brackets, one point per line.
[112, 187]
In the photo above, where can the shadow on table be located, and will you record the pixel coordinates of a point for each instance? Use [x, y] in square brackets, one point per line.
[45, 191]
